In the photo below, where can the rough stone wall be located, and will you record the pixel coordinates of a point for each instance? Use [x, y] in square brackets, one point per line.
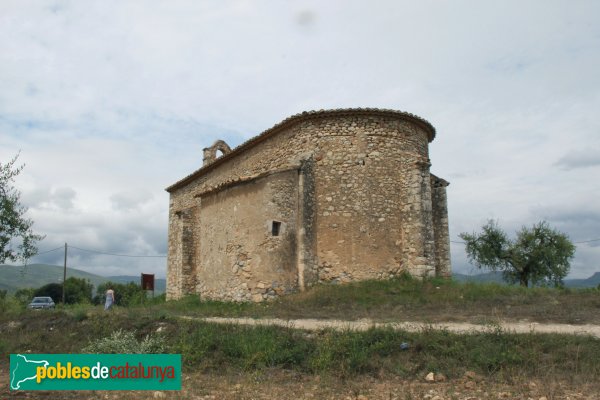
[373, 197]
[307, 215]
[440, 227]
[181, 261]
[174, 258]
[281, 152]
[210, 153]
[239, 257]
[364, 208]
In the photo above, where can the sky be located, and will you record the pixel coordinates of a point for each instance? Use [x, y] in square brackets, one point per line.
[110, 102]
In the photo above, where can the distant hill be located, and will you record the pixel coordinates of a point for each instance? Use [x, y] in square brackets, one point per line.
[14, 277]
[35, 275]
[160, 285]
[496, 277]
[592, 281]
[487, 277]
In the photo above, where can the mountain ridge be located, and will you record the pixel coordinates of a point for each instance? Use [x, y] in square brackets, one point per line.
[496, 277]
[14, 277]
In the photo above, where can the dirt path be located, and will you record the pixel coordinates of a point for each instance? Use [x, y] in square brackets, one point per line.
[459, 327]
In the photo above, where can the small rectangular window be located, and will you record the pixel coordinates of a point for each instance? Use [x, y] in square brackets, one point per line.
[275, 228]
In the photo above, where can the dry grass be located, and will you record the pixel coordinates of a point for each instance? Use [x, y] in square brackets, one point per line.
[281, 384]
[408, 299]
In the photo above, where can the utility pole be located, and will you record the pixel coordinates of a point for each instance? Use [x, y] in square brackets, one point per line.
[64, 276]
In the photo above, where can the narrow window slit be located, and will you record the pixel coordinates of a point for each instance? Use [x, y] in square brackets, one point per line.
[275, 228]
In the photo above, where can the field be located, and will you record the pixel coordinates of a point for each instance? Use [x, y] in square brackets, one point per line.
[413, 300]
[243, 362]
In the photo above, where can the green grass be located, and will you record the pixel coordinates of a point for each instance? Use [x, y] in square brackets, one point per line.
[224, 349]
[413, 300]
[233, 351]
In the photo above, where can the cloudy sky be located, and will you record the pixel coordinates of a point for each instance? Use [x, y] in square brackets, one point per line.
[110, 102]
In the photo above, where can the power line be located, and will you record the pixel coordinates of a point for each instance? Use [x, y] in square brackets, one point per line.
[588, 241]
[164, 256]
[48, 251]
[116, 255]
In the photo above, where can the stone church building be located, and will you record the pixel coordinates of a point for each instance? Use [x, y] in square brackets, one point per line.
[323, 196]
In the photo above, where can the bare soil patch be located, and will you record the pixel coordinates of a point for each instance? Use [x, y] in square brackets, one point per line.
[278, 384]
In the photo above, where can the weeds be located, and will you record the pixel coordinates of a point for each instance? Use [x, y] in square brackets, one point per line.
[406, 298]
[213, 346]
[124, 342]
[350, 353]
[339, 354]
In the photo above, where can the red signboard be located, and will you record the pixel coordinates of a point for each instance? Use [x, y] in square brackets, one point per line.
[148, 282]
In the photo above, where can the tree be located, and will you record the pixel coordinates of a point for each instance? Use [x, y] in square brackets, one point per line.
[17, 240]
[126, 294]
[24, 295]
[53, 290]
[76, 291]
[539, 255]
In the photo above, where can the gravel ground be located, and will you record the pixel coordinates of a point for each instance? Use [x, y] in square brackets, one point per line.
[459, 327]
[280, 384]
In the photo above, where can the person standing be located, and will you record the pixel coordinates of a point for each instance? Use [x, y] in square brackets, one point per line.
[110, 299]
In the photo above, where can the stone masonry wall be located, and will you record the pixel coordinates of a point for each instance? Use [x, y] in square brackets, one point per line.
[363, 202]
[372, 220]
[440, 227]
[239, 257]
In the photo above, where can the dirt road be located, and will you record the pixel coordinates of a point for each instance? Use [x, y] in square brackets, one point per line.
[459, 327]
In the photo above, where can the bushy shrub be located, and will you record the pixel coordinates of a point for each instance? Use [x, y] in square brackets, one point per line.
[125, 294]
[9, 305]
[24, 296]
[76, 291]
[124, 342]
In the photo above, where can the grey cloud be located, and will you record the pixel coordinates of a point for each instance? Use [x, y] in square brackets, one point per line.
[61, 198]
[140, 233]
[586, 261]
[36, 197]
[305, 18]
[581, 225]
[107, 239]
[127, 201]
[579, 159]
[578, 218]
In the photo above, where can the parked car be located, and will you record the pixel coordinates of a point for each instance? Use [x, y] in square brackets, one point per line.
[41, 303]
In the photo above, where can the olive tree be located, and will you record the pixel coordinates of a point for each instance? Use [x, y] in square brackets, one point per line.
[17, 239]
[538, 255]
